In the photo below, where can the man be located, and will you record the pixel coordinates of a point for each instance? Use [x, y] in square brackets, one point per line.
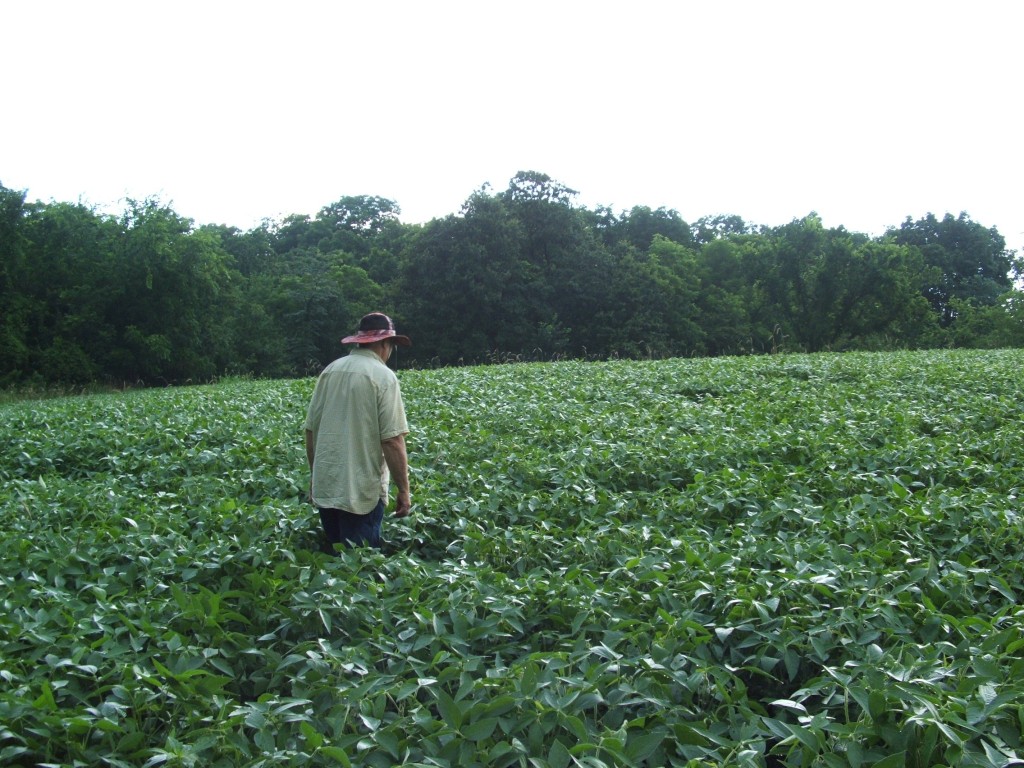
[355, 437]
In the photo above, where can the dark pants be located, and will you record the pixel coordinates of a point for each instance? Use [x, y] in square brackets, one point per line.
[353, 530]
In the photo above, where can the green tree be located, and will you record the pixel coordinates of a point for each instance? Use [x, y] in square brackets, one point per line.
[73, 281]
[571, 271]
[724, 298]
[262, 347]
[967, 261]
[365, 227]
[294, 232]
[14, 309]
[815, 288]
[664, 285]
[994, 326]
[252, 252]
[174, 298]
[467, 287]
[708, 229]
[317, 299]
[642, 224]
[879, 305]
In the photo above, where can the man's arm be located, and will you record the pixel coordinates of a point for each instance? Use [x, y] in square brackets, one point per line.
[310, 453]
[398, 463]
[310, 448]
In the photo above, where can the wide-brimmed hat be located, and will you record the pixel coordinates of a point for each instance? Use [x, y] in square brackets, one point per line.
[376, 326]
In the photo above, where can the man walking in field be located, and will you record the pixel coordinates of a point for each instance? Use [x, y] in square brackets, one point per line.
[355, 437]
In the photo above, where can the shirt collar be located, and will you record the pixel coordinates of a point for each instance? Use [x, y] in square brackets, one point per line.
[366, 353]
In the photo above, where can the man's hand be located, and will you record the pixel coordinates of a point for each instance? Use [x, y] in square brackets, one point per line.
[398, 463]
[403, 503]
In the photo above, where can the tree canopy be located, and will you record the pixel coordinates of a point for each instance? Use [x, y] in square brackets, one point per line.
[524, 273]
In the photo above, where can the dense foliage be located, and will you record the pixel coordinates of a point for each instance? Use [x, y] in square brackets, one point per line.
[753, 561]
[518, 275]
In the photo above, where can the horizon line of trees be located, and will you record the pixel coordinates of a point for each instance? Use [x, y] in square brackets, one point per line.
[147, 297]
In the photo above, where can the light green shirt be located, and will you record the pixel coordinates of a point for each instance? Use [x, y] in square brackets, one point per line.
[357, 403]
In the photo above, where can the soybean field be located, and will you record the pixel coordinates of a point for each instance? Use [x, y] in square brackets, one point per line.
[791, 560]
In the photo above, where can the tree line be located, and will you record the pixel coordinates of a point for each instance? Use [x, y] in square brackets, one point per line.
[147, 297]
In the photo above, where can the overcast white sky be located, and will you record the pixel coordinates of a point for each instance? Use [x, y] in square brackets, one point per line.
[866, 112]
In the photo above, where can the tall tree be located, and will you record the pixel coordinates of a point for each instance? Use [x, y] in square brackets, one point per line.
[664, 321]
[73, 288]
[468, 288]
[570, 268]
[724, 300]
[968, 261]
[365, 227]
[707, 229]
[173, 298]
[641, 225]
[14, 309]
[252, 252]
[817, 289]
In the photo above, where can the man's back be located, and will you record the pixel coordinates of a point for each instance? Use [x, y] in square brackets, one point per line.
[356, 405]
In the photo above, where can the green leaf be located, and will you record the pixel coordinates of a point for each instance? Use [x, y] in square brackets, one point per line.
[641, 745]
[896, 760]
[559, 756]
[792, 661]
[337, 754]
[791, 731]
[480, 730]
[528, 681]
[45, 700]
[878, 704]
[448, 709]
[312, 736]
[792, 705]
[389, 741]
